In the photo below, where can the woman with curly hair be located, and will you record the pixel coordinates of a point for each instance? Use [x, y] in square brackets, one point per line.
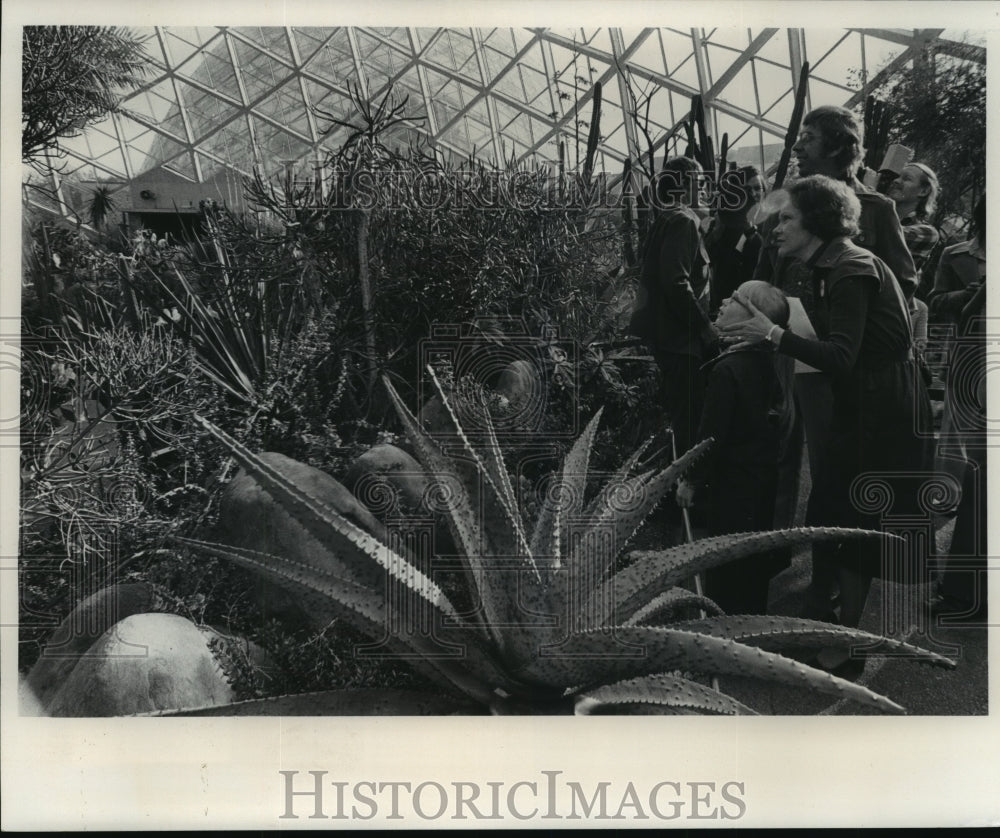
[864, 342]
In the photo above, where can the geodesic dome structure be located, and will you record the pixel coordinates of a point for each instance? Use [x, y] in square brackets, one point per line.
[223, 101]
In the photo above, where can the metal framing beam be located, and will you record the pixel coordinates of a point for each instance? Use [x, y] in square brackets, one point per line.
[487, 84]
[488, 89]
[612, 70]
[730, 73]
[796, 58]
[618, 51]
[245, 99]
[904, 57]
[185, 119]
[184, 89]
[422, 80]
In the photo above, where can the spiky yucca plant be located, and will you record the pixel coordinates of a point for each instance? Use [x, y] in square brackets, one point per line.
[553, 625]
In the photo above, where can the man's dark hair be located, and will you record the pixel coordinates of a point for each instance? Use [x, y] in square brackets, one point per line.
[841, 133]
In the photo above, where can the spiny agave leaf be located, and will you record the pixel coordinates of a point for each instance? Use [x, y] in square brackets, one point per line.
[354, 702]
[325, 523]
[664, 605]
[564, 500]
[620, 524]
[774, 633]
[473, 673]
[652, 571]
[619, 477]
[666, 690]
[463, 521]
[494, 474]
[595, 657]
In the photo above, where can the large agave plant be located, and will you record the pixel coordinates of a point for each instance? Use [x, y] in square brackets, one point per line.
[551, 623]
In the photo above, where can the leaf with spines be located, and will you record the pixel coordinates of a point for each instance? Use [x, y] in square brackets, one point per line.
[564, 500]
[467, 669]
[492, 577]
[499, 501]
[463, 521]
[662, 607]
[350, 702]
[593, 553]
[324, 522]
[663, 690]
[619, 477]
[652, 571]
[592, 658]
[776, 633]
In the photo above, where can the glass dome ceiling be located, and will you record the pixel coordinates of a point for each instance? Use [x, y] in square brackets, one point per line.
[221, 101]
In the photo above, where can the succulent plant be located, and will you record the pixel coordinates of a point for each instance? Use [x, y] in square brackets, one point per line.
[552, 621]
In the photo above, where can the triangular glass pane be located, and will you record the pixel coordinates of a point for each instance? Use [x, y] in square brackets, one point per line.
[259, 71]
[285, 104]
[333, 61]
[823, 46]
[163, 149]
[535, 88]
[183, 42]
[309, 39]
[272, 38]
[215, 71]
[182, 165]
[374, 53]
[395, 34]
[501, 40]
[444, 52]
[426, 36]
[205, 111]
[154, 103]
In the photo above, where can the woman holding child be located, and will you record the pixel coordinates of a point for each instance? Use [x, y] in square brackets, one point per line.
[864, 342]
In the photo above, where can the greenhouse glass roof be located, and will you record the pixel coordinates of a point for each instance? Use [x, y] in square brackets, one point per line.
[221, 101]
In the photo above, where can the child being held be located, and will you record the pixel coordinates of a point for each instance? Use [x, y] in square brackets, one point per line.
[748, 411]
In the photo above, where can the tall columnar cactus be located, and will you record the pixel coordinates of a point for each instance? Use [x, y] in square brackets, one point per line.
[594, 136]
[555, 624]
[792, 134]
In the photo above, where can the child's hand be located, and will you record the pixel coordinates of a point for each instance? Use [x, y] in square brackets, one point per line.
[685, 494]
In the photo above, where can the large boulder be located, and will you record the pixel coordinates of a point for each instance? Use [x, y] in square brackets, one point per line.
[394, 486]
[78, 632]
[142, 664]
[389, 482]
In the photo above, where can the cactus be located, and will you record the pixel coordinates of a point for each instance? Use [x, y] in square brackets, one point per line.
[557, 625]
[793, 126]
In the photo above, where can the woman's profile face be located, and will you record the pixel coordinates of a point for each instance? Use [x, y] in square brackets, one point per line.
[791, 237]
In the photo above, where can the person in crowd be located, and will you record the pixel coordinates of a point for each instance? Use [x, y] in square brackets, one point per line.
[962, 267]
[915, 193]
[863, 343]
[732, 240]
[829, 144]
[748, 412]
[961, 590]
[671, 314]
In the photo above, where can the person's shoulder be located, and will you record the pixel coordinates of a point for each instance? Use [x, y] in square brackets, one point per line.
[845, 256]
[679, 216]
[960, 249]
[842, 258]
[878, 203]
[734, 363]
